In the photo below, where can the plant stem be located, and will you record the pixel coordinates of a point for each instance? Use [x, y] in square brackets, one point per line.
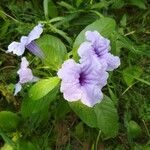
[146, 128]
[97, 140]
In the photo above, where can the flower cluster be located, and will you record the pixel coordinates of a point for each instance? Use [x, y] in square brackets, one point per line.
[18, 48]
[85, 80]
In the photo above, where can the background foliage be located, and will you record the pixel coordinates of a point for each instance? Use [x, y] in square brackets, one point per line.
[44, 120]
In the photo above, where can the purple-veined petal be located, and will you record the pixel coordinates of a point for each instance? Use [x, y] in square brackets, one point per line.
[35, 49]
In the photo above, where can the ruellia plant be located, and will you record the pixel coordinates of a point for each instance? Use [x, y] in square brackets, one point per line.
[78, 80]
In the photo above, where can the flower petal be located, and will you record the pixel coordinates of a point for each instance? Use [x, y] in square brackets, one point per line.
[70, 71]
[17, 48]
[24, 62]
[18, 88]
[35, 33]
[25, 73]
[91, 95]
[92, 36]
[71, 92]
[98, 77]
[113, 62]
[24, 40]
[85, 50]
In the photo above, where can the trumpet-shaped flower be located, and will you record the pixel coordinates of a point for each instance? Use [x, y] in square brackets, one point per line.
[82, 82]
[96, 49]
[25, 75]
[18, 48]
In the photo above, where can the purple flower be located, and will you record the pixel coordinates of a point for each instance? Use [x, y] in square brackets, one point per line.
[96, 49]
[18, 48]
[25, 75]
[82, 82]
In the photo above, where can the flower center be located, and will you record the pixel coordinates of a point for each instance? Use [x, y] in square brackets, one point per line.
[82, 78]
[100, 49]
[97, 52]
[35, 49]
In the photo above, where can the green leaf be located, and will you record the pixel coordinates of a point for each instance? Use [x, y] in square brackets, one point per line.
[54, 51]
[3, 15]
[100, 5]
[117, 4]
[6, 138]
[56, 19]
[107, 118]
[134, 130]
[123, 21]
[42, 88]
[103, 116]
[129, 72]
[62, 109]
[50, 9]
[144, 49]
[124, 42]
[113, 96]
[138, 3]
[7, 147]
[79, 130]
[105, 26]
[9, 121]
[86, 114]
[54, 29]
[66, 5]
[25, 145]
[64, 35]
[78, 2]
[39, 108]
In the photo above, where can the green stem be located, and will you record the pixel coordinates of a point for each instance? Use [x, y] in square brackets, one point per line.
[7, 67]
[97, 140]
[9, 16]
[146, 128]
